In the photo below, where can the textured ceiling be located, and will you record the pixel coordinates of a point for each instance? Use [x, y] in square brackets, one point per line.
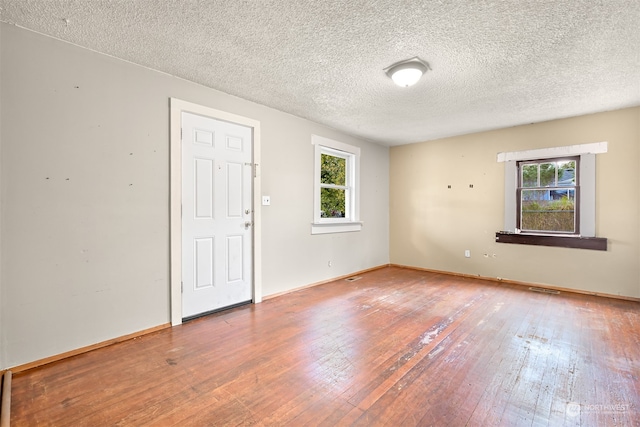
[494, 63]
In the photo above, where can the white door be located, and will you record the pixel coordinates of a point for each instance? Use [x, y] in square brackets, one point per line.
[216, 214]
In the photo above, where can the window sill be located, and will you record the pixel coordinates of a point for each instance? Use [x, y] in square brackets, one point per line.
[335, 227]
[593, 243]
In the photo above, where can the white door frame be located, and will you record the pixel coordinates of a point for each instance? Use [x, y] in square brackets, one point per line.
[175, 194]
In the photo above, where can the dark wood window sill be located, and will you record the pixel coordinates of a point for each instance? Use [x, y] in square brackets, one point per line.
[594, 243]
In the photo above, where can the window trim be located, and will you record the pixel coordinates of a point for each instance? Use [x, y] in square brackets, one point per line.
[587, 173]
[351, 222]
[594, 243]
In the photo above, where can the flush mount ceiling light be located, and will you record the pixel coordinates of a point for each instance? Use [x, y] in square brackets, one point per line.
[407, 73]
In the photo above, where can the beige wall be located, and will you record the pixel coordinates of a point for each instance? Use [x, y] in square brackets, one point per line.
[85, 197]
[431, 225]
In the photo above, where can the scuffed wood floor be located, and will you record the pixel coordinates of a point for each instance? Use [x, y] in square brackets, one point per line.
[397, 347]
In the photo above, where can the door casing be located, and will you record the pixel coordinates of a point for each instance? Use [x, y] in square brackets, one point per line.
[177, 106]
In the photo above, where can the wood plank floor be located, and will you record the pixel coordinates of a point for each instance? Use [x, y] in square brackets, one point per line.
[397, 347]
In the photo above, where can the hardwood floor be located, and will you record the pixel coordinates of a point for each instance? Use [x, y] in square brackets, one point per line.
[397, 347]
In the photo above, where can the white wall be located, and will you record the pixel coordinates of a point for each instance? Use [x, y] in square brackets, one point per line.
[2, 338]
[84, 178]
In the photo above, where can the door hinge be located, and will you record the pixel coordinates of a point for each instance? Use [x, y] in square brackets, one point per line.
[254, 166]
[181, 287]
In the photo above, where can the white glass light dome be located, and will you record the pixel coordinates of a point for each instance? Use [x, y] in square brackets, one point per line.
[407, 73]
[406, 77]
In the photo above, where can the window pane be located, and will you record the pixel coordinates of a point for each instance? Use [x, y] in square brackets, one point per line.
[567, 173]
[333, 170]
[332, 203]
[548, 175]
[548, 210]
[530, 175]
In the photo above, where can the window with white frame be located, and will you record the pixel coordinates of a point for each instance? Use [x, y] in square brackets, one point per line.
[550, 197]
[336, 187]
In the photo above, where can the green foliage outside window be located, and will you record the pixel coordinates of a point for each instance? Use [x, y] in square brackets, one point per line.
[333, 174]
[547, 173]
[556, 215]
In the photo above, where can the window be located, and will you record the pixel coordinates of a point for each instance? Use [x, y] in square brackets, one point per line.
[336, 198]
[548, 192]
[335, 191]
[550, 197]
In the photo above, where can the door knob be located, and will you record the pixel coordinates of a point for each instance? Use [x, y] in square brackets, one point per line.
[248, 224]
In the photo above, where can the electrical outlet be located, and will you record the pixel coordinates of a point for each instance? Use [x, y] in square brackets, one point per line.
[266, 200]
